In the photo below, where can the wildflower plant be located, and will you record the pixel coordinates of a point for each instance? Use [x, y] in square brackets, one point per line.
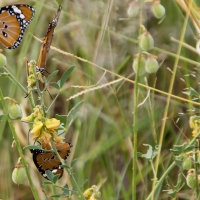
[47, 131]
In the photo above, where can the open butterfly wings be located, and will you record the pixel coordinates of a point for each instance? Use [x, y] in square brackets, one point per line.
[47, 43]
[14, 20]
[45, 160]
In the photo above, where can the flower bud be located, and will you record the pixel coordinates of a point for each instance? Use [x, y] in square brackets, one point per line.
[88, 193]
[146, 41]
[19, 174]
[133, 10]
[92, 193]
[152, 65]
[158, 10]
[29, 118]
[191, 179]
[3, 60]
[139, 66]
[31, 80]
[14, 111]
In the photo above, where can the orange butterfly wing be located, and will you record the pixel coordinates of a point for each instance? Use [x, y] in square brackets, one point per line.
[14, 20]
[45, 160]
[47, 43]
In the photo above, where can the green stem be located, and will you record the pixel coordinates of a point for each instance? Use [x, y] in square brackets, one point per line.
[53, 101]
[162, 131]
[196, 169]
[54, 191]
[20, 86]
[135, 115]
[18, 147]
[75, 184]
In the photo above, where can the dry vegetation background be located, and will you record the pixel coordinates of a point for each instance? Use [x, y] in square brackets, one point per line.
[100, 32]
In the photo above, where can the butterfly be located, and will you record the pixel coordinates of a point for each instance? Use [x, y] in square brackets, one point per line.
[14, 20]
[47, 43]
[47, 160]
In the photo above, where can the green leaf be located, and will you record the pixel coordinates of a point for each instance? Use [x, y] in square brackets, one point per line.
[52, 75]
[47, 183]
[65, 76]
[55, 178]
[178, 149]
[50, 175]
[74, 161]
[65, 190]
[62, 118]
[72, 115]
[33, 147]
[65, 166]
[55, 85]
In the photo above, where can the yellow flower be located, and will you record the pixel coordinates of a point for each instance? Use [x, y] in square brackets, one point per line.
[38, 113]
[37, 126]
[195, 125]
[31, 80]
[52, 123]
[45, 137]
[29, 118]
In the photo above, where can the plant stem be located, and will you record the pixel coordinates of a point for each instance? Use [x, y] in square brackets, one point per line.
[18, 147]
[168, 98]
[135, 115]
[20, 86]
[80, 194]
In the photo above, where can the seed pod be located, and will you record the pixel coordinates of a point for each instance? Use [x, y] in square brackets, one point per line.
[152, 65]
[3, 60]
[14, 111]
[191, 179]
[139, 66]
[187, 163]
[19, 174]
[146, 41]
[158, 10]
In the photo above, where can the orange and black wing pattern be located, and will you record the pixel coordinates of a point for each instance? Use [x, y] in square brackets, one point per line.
[47, 43]
[46, 160]
[14, 20]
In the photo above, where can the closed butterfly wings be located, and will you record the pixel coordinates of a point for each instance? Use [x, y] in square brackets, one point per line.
[46, 160]
[47, 43]
[14, 20]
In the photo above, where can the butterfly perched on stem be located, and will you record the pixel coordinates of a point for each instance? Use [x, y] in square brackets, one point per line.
[14, 20]
[47, 160]
[47, 43]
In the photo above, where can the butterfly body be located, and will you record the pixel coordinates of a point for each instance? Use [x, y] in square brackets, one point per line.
[14, 20]
[47, 43]
[48, 160]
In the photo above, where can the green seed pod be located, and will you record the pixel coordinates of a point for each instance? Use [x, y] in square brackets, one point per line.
[158, 10]
[146, 41]
[3, 60]
[191, 179]
[15, 111]
[152, 65]
[19, 175]
[139, 66]
[133, 10]
[187, 163]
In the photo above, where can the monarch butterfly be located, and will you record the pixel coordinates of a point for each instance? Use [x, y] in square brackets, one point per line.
[47, 160]
[14, 20]
[47, 43]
